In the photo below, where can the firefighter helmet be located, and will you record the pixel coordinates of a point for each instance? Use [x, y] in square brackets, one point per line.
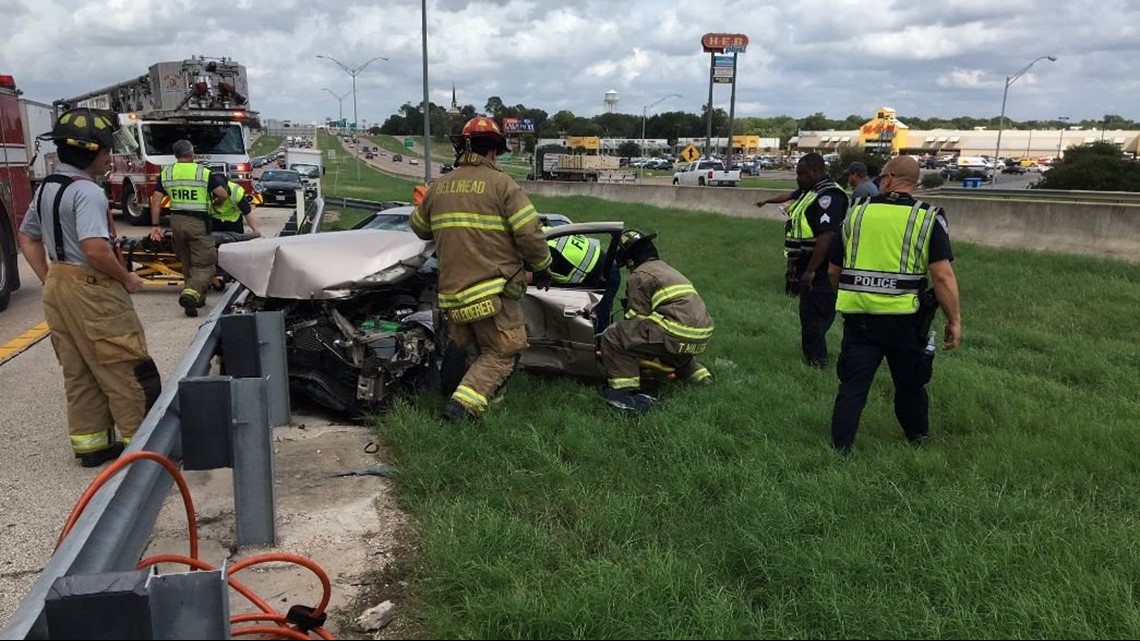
[480, 127]
[85, 128]
[633, 244]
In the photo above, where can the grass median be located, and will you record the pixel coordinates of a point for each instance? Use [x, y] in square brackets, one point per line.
[724, 513]
[265, 144]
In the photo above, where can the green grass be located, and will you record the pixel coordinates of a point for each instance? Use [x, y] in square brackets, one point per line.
[724, 513]
[340, 176]
[265, 144]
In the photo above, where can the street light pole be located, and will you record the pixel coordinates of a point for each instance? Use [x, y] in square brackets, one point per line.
[1061, 138]
[339, 103]
[1009, 80]
[644, 113]
[353, 72]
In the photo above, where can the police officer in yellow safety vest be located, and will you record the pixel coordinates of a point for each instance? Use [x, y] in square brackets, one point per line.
[577, 260]
[236, 209]
[889, 244]
[487, 236]
[665, 321]
[193, 191]
[815, 214]
[108, 375]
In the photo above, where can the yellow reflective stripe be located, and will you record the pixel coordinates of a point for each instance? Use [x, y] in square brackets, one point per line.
[700, 375]
[673, 327]
[86, 443]
[126, 440]
[456, 220]
[666, 294]
[679, 330]
[543, 264]
[522, 217]
[472, 294]
[470, 398]
[625, 383]
[418, 222]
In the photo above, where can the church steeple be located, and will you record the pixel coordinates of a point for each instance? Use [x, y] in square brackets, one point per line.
[454, 111]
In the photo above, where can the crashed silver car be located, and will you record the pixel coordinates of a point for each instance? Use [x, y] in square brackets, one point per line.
[362, 321]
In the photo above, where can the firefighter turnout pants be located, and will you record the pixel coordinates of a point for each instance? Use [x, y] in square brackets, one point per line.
[195, 249]
[109, 378]
[626, 343]
[493, 347]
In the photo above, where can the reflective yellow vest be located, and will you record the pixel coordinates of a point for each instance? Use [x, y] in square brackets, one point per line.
[886, 251]
[229, 211]
[581, 252]
[187, 185]
[799, 239]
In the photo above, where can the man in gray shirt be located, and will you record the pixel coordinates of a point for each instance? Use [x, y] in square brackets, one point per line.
[861, 182]
[108, 375]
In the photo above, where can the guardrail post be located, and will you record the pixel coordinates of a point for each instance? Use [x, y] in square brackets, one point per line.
[206, 415]
[252, 443]
[139, 604]
[274, 365]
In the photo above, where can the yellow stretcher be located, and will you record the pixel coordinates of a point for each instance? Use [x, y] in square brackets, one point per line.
[158, 265]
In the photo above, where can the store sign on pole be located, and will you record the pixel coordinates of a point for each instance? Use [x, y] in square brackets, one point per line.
[723, 69]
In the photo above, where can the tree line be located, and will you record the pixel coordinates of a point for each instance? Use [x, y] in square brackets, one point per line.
[672, 125]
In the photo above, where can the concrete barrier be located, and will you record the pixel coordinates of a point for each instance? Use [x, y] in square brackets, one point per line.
[1101, 229]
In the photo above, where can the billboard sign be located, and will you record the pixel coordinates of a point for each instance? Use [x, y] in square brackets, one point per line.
[516, 126]
[724, 42]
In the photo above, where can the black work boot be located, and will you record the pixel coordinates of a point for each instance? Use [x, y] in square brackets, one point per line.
[454, 412]
[99, 457]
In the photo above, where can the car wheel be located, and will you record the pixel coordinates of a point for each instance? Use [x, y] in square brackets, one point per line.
[134, 212]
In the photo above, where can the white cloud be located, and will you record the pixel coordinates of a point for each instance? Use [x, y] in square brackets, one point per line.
[967, 79]
[836, 56]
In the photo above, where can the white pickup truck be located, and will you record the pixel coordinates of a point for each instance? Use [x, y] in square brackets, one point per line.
[706, 172]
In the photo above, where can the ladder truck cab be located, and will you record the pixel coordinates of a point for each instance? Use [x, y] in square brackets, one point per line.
[203, 100]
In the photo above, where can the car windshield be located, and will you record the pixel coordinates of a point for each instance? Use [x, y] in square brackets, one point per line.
[281, 175]
[159, 138]
[309, 171]
[393, 222]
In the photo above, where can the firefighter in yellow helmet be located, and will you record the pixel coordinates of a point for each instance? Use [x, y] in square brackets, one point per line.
[665, 320]
[487, 237]
[108, 375]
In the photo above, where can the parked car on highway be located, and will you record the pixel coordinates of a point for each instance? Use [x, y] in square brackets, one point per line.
[397, 158]
[413, 161]
[362, 322]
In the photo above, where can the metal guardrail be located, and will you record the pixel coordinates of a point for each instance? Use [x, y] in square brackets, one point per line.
[116, 527]
[114, 530]
[357, 203]
[1052, 195]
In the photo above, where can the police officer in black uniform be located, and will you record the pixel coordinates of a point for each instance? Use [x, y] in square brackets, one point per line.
[816, 213]
[880, 265]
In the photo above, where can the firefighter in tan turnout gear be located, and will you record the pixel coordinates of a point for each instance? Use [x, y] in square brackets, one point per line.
[487, 237]
[665, 321]
[109, 378]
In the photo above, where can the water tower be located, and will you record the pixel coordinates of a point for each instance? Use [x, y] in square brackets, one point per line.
[611, 102]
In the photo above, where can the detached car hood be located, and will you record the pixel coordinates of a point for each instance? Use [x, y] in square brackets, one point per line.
[324, 266]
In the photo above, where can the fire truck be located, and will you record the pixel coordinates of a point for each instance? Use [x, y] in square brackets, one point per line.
[203, 100]
[15, 184]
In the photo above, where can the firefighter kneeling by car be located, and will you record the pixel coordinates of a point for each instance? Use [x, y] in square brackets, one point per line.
[484, 229]
[665, 321]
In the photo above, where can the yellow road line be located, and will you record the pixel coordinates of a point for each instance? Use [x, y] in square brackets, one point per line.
[14, 347]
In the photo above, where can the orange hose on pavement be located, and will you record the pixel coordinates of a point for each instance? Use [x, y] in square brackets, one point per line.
[281, 633]
[280, 627]
[114, 469]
